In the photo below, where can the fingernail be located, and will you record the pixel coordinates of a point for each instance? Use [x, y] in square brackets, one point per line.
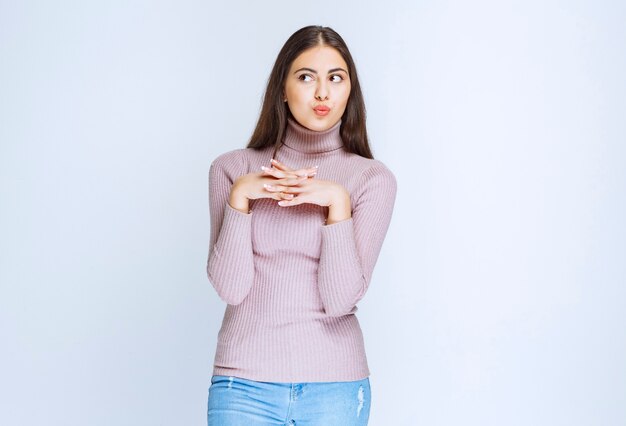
[281, 203]
[264, 168]
[274, 161]
[267, 186]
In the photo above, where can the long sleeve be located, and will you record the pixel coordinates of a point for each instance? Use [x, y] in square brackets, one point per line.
[230, 264]
[351, 247]
[294, 280]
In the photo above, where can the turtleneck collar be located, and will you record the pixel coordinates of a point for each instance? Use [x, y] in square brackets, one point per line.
[310, 141]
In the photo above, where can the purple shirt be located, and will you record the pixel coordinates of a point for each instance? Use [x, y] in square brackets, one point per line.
[292, 282]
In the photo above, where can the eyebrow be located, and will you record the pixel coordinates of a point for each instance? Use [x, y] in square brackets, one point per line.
[315, 72]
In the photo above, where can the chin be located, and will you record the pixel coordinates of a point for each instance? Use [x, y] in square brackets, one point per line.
[319, 124]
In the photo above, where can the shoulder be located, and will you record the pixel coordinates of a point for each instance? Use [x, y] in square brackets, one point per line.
[373, 182]
[234, 163]
[372, 171]
[230, 159]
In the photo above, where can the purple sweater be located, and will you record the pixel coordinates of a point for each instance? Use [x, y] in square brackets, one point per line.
[291, 282]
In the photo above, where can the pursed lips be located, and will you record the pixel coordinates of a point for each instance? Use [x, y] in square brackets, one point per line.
[322, 108]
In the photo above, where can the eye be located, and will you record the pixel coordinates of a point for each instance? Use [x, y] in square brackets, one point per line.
[304, 77]
[336, 78]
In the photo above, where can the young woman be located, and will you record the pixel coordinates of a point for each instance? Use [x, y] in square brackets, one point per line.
[297, 222]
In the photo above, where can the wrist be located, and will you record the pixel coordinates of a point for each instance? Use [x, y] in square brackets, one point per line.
[339, 208]
[238, 201]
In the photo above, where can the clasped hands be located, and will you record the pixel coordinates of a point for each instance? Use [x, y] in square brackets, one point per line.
[290, 188]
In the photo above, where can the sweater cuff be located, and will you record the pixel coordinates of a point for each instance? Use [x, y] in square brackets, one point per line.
[339, 248]
[233, 210]
[342, 228]
[235, 226]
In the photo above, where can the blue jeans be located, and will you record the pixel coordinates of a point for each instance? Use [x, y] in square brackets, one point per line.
[241, 402]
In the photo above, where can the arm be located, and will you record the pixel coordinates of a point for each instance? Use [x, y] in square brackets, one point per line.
[230, 264]
[350, 247]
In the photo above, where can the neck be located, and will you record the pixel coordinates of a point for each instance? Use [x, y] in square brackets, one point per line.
[310, 141]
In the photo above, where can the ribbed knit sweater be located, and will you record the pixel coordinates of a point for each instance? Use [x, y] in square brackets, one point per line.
[290, 281]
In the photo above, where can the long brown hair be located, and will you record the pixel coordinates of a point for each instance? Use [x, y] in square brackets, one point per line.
[270, 128]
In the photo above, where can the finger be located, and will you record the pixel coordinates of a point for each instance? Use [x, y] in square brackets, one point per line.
[294, 190]
[294, 202]
[279, 174]
[285, 196]
[279, 196]
[285, 189]
[289, 181]
[309, 172]
[305, 171]
[275, 188]
[267, 171]
[280, 165]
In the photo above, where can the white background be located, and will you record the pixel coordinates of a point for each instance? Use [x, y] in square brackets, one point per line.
[499, 297]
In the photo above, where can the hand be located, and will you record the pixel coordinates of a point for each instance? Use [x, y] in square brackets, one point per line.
[252, 187]
[314, 191]
[279, 170]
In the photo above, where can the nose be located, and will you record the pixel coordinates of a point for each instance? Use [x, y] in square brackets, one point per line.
[321, 93]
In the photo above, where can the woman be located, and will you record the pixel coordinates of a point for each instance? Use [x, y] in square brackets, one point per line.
[297, 222]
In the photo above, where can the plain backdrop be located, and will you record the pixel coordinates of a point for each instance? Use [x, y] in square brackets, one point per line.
[499, 297]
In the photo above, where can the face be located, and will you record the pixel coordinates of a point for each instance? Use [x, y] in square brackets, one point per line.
[317, 88]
